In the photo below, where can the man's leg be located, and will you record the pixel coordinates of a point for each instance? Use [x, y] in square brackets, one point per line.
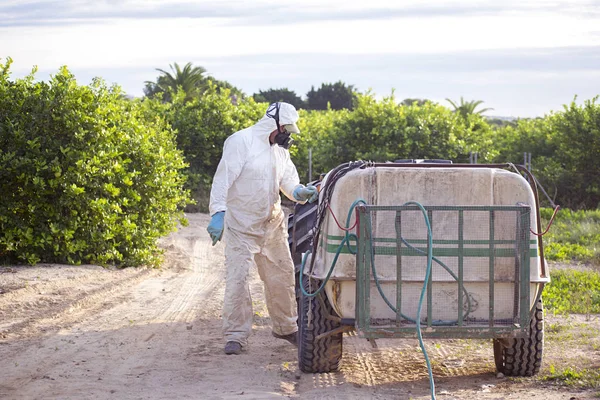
[237, 305]
[276, 269]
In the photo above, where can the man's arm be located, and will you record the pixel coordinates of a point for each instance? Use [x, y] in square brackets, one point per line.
[290, 180]
[229, 168]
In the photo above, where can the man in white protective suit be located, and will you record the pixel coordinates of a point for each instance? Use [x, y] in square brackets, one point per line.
[246, 209]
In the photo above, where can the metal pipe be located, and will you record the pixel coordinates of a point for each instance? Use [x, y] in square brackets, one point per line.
[335, 331]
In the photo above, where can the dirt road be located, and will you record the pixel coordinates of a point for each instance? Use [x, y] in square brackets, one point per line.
[92, 333]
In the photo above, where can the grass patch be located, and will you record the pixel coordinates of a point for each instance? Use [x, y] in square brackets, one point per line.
[573, 377]
[578, 334]
[572, 291]
[574, 235]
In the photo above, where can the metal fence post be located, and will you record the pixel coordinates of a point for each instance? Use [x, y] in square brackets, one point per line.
[310, 164]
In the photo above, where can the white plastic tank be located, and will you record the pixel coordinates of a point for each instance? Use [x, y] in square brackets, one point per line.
[447, 186]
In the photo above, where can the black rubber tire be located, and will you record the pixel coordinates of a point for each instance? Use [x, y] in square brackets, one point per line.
[522, 356]
[325, 354]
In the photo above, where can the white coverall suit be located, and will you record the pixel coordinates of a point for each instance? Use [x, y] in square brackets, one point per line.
[246, 186]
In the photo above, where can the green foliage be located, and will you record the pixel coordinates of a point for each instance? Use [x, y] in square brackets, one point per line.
[574, 377]
[577, 140]
[466, 108]
[89, 176]
[202, 125]
[531, 136]
[500, 123]
[573, 236]
[572, 291]
[190, 80]
[235, 94]
[386, 131]
[336, 96]
[383, 130]
[275, 95]
[86, 175]
[524, 136]
[564, 147]
[316, 127]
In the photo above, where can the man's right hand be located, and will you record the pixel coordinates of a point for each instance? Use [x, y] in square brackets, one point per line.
[215, 228]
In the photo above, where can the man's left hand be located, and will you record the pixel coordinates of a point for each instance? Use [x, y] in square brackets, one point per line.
[306, 193]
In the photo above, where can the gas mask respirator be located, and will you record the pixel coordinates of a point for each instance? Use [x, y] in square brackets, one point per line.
[283, 137]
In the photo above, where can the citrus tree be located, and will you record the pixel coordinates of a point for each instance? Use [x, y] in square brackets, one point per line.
[87, 176]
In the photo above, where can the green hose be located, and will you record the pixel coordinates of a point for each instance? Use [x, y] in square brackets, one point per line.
[419, 308]
[430, 258]
[345, 241]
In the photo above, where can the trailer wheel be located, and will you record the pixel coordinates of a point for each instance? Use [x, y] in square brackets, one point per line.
[317, 355]
[522, 356]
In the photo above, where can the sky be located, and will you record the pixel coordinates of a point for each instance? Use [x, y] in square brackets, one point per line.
[523, 58]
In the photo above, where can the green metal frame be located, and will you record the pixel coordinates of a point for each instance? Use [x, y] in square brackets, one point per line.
[461, 329]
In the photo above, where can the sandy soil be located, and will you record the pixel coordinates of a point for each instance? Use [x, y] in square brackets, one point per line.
[86, 332]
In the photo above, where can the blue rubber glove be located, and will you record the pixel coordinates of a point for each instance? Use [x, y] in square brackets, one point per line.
[306, 193]
[215, 228]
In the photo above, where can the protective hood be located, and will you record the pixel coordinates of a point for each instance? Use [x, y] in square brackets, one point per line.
[283, 114]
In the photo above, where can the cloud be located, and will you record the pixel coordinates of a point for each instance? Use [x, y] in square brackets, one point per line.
[516, 53]
[526, 83]
[523, 82]
[138, 42]
[528, 59]
[245, 13]
[317, 66]
[57, 12]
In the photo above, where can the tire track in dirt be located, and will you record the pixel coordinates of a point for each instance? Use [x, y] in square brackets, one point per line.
[65, 306]
[396, 367]
[36, 340]
[127, 338]
[160, 338]
[189, 291]
[362, 358]
[164, 312]
[27, 290]
[391, 361]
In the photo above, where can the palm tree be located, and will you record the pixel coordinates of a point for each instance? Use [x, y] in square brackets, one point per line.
[190, 79]
[467, 108]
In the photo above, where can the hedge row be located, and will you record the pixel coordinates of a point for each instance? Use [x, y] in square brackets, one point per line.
[86, 176]
[89, 176]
